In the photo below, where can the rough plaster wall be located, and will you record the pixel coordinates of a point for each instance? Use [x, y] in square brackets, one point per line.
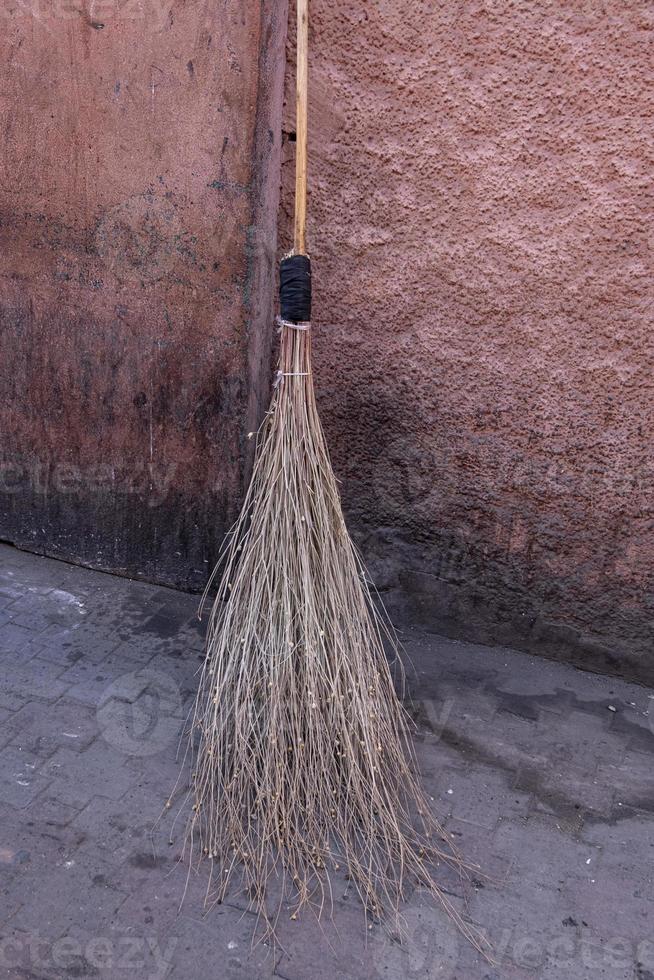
[479, 200]
[138, 201]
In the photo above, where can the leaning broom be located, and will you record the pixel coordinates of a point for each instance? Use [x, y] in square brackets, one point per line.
[304, 767]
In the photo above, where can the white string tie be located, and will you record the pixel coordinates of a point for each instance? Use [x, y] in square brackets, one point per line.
[289, 374]
[292, 326]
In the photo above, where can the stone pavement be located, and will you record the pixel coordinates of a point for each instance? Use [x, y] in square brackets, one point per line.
[542, 773]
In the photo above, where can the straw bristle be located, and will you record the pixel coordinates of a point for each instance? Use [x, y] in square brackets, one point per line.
[304, 761]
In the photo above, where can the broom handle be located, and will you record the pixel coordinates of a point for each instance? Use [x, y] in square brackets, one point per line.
[302, 86]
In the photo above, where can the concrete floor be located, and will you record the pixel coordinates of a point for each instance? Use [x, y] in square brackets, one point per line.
[544, 775]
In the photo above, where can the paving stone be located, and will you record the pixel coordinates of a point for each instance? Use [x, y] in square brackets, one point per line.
[488, 866]
[560, 793]
[88, 682]
[481, 796]
[23, 777]
[69, 645]
[552, 795]
[30, 620]
[134, 653]
[633, 781]
[89, 903]
[32, 679]
[51, 648]
[426, 945]
[41, 607]
[9, 701]
[626, 917]
[43, 728]
[48, 813]
[151, 790]
[603, 971]
[224, 938]
[539, 850]
[433, 756]
[520, 935]
[35, 843]
[141, 714]
[5, 615]
[8, 907]
[509, 744]
[14, 638]
[79, 776]
[28, 955]
[182, 671]
[160, 902]
[116, 951]
[34, 648]
[626, 873]
[629, 837]
[583, 739]
[7, 596]
[591, 959]
[126, 824]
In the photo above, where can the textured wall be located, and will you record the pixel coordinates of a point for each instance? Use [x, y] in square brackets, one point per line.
[138, 202]
[479, 196]
[480, 192]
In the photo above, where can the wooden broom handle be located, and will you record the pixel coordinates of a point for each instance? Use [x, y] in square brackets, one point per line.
[301, 98]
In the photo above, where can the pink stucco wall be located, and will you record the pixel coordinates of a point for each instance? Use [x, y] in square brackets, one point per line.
[480, 192]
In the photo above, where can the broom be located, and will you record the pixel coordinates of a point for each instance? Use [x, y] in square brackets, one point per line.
[304, 764]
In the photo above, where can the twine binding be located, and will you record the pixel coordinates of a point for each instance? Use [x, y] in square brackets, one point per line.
[289, 374]
[292, 326]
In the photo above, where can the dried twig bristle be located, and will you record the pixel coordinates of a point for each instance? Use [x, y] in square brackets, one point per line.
[304, 761]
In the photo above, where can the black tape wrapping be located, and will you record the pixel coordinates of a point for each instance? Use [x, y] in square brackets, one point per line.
[295, 288]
